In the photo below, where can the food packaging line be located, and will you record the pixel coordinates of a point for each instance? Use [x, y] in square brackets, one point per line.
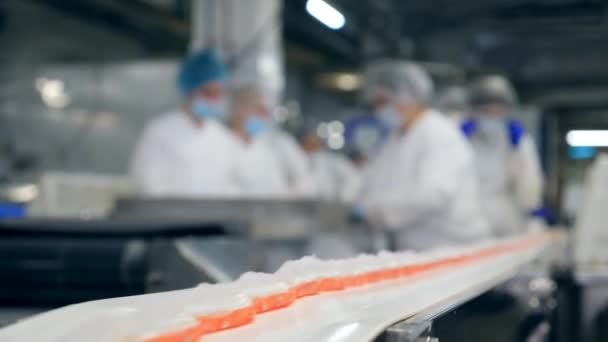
[305, 300]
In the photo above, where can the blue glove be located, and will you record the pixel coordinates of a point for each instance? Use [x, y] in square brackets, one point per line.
[516, 131]
[468, 127]
[541, 213]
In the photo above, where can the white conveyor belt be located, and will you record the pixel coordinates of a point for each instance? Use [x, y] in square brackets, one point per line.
[359, 315]
[353, 314]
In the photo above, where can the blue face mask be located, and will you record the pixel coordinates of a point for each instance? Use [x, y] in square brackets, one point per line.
[389, 116]
[205, 109]
[255, 125]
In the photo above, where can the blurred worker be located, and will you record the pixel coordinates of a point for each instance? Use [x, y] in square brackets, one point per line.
[422, 184]
[189, 152]
[336, 178]
[260, 172]
[294, 162]
[453, 101]
[507, 163]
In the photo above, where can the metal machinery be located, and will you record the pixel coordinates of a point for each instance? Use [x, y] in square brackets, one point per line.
[149, 246]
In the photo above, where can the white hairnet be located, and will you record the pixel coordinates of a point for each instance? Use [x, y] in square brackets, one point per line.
[492, 89]
[453, 98]
[399, 78]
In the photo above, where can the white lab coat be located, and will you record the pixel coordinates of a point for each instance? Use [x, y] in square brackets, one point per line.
[175, 158]
[572, 198]
[294, 162]
[590, 236]
[260, 172]
[510, 180]
[423, 186]
[336, 177]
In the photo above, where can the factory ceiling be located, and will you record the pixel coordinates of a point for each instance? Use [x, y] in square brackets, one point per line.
[554, 50]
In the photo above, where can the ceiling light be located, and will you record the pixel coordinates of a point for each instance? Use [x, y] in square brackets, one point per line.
[52, 92]
[23, 193]
[587, 138]
[325, 13]
[348, 82]
[343, 81]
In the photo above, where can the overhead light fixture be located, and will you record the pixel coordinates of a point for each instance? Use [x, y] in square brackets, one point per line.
[325, 13]
[348, 82]
[23, 193]
[587, 138]
[343, 81]
[52, 92]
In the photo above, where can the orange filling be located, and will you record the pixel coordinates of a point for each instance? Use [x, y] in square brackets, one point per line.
[183, 335]
[355, 280]
[226, 320]
[308, 288]
[331, 284]
[274, 301]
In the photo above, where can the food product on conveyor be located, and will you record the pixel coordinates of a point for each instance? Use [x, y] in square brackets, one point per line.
[267, 291]
[302, 275]
[188, 315]
[235, 304]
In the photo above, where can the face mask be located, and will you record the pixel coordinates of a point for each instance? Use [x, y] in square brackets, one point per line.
[491, 125]
[205, 109]
[255, 125]
[454, 115]
[389, 116]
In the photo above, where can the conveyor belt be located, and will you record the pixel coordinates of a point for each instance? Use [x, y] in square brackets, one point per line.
[360, 315]
[353, 314]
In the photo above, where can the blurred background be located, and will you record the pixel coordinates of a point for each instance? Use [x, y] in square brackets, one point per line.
[80, 79]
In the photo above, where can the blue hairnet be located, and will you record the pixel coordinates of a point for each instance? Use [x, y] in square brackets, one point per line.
[199, 68]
